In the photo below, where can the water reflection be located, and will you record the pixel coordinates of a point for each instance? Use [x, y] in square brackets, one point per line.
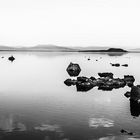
[100, 122]
[10, 123]
[12, 128]
[32, 86]
[118, 138]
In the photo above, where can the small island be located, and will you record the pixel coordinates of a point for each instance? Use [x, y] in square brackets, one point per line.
[110, 50]
[115, 50]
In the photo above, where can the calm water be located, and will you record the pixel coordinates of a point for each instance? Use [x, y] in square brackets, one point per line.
[36, 104]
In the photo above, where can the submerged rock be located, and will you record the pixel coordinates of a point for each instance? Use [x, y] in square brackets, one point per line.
[73, 69]
[11, 58]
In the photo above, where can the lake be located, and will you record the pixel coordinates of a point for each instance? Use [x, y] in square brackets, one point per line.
[36, 104]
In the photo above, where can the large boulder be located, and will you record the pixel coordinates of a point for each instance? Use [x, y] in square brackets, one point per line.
[73, 69]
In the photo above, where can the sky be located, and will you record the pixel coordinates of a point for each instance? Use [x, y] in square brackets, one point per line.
[114, 23]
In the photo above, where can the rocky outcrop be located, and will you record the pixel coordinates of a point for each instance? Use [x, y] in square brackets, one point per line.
[129, 79]
[105, 82]
[11, 58]
[73, 69]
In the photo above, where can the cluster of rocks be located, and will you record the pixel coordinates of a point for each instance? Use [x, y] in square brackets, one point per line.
[104, 82]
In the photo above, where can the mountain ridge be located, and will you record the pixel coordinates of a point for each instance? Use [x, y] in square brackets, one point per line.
[62, 48]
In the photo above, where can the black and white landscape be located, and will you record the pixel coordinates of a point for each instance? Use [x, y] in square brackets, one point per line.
[69, 70]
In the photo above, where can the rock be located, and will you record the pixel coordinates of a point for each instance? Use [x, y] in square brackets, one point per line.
[70, 82]
[115, 65]
[129, 79]
[105, 88]
[125, 65]
[84, 84]
[127, 94]
[126, 132]
[92, 78]
[73, 69]
[130, 133]
[109, 84]
[106, 74]
[118, 83]
[134, 108]
[123, 131]
[135, 93]
[11, 58]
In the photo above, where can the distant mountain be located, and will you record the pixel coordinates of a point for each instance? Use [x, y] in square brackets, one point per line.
[49, 48]
[135, 50]
[54, 48]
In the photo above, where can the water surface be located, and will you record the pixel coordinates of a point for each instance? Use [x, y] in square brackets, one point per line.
[36, 104]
